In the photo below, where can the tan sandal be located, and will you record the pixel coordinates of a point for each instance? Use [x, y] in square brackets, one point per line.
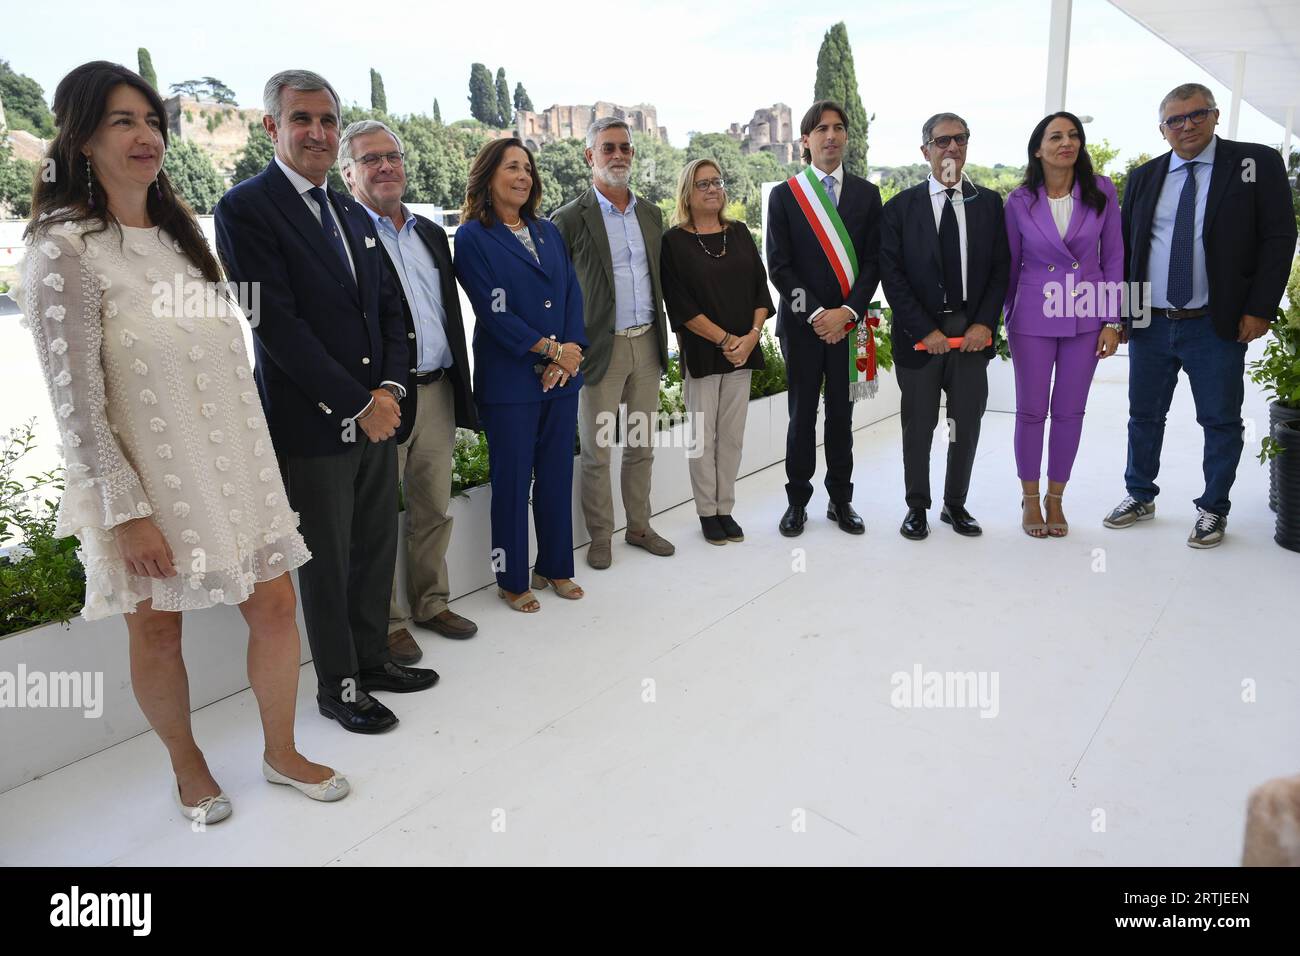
[520, 602]
[1032, 527]
[1057, 529]
[568, 590]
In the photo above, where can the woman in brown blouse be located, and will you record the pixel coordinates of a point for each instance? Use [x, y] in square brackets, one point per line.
[715, 289]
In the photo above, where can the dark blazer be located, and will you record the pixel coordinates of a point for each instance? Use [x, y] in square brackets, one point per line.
[434, 238]
[1249, 232]
[322, 341]
[911, 267]
[516, 302]
[795, 260]
[582, 225]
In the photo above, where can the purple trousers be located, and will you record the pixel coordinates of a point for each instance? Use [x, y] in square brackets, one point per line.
[1035, 358]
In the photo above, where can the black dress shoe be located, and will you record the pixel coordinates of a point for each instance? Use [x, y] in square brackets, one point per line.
[732, 530]
[961, 521]
[915, 526]
[712, 528]
[844, 515]
[395, 677]
[793, 520]
[365, 715]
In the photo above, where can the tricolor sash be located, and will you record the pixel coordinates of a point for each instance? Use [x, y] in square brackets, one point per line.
[824, 220]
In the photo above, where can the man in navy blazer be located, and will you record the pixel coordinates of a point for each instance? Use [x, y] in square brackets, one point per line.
[814, 310]
[331, 360]
[1209, 233]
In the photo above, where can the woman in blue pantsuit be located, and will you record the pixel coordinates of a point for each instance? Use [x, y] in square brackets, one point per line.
[528, 342]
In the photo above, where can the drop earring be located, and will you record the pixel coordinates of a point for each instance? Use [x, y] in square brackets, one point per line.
[90, 185]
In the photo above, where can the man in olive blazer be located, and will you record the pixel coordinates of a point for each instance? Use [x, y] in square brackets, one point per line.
[614, 241]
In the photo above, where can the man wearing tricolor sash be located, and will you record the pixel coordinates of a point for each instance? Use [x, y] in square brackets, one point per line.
[823, 237]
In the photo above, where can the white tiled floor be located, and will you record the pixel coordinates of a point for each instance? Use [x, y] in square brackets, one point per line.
[1121, 736]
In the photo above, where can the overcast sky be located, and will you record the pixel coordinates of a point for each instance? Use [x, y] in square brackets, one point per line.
[703, 65]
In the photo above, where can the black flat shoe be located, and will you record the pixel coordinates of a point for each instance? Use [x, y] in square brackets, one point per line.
[961, 521]
[365, 715]
[844, 516]
[793, 520]
[732, 530]
[915, 526]
[712, 528]
[395, 677]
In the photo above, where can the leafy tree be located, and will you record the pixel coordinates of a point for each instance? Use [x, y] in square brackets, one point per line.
[504, 108]
[191, 88]
[24, 103]
[193, 176]
[482, 95]
[522, 101]
[146, 67]
[655, 170]
[564, 172]
[218, 91]
[1120, 179]
[724, 151]
[437, 113]
[17, 177]
[837, 80]
[257, 153]
[378, 100]
[763, 167]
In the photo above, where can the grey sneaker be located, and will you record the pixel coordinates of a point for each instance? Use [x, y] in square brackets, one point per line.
[1129, 511]
[1208, 530]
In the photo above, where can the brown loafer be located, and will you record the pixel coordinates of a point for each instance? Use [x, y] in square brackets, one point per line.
[450, 624]
[599, 555]
[403, 649]
[651, 540]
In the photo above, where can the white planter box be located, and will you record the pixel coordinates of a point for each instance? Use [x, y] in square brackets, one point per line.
[1002, 386]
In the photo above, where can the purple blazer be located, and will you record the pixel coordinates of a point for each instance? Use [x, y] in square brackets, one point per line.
[1063, 287]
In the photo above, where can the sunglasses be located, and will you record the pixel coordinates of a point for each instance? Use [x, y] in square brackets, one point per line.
[943, 142]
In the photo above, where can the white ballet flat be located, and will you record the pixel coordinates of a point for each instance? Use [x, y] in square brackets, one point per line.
[209, 809]
[327, 791]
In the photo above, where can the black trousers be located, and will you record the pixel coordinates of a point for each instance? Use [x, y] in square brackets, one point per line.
[808, 363]
[962, 378]
[347, 506]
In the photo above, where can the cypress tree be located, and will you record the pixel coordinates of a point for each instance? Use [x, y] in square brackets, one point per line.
[378, 100]
[837, 80]
[504, 107]
[522, 100]
[437, 113]
[482, 97]
[146, 67]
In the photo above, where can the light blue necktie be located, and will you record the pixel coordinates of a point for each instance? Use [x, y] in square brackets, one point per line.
[1179, 289]
[829, 183]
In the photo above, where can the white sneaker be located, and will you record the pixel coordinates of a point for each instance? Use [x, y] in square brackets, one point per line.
[327, 791]
[208, 810]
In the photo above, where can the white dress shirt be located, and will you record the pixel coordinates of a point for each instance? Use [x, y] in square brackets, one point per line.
[939, 196]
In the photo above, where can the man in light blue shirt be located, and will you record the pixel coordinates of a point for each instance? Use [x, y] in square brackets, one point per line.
[418, 257]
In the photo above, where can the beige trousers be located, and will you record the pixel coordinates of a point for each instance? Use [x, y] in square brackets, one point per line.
[632, 379]
[716, 408]
[424, 466]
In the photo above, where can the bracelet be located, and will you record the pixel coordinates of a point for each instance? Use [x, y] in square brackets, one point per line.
[725, 337]
[559, 352]
[1114, 326]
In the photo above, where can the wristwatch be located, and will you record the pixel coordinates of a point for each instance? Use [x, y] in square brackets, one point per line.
[1115, 326]
[393, 391]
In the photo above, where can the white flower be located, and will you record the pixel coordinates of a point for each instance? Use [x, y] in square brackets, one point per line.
[227, 489]
[236, 516]
[63, 378]
[176, 245]
[194, 271]
[54, 281]
[157, 425]
[258, 447]
[196, 353]
[139, 367]
[77, 468]
[222, 463]
[272, 499]
[266, 474]
[110, 311]
[201, 381]
[51, 250]
[207, 409]
[66, 409]
[253, 421]
[275, 522]
[241, 372]
[119, 518]
[164, 451]
[236, 345]
[58, 346]
[128, 338]
[148, 397]
[216, 595]
[275, 558]
[172, 481]
[181, 509]
[142, 508]
[190, 536]
[105, 283]
[248, 398]
[216, 436]
[56, 312]
[270, 537]
[73, 439]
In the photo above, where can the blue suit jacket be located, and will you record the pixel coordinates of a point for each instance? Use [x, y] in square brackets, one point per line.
[323, 341]
[516, 302]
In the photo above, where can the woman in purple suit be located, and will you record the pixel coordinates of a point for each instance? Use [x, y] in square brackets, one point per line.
[1063, 305]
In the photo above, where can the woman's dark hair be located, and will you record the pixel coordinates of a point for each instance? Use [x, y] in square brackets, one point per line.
[813, 117]
[80, 103]
[1083, 175]
[478, 191]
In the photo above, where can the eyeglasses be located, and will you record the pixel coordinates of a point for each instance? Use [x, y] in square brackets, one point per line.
[1178, 122]
[943, 142]
[704, 185]
[608, 149]
[372, 160]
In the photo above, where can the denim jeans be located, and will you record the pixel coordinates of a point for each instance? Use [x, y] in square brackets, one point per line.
[1216, 369]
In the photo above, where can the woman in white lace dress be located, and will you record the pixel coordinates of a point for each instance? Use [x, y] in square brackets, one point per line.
[172, 486]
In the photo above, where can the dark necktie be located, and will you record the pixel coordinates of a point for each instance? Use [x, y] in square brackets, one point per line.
[327, 223]
[950, 247]
[1179, 289]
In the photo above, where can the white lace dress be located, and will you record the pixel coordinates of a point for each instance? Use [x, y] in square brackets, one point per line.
[158, 415]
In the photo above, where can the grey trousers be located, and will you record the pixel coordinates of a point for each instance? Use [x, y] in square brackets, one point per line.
[716, 409]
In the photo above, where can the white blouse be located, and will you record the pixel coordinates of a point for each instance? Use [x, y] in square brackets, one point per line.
[1062, 210]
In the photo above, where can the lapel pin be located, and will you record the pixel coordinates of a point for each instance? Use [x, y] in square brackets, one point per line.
[370, 243]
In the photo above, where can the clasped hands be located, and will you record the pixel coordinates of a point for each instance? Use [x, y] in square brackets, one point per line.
[830, 324]
[737, 348]
[558, 373]
[381, 419]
